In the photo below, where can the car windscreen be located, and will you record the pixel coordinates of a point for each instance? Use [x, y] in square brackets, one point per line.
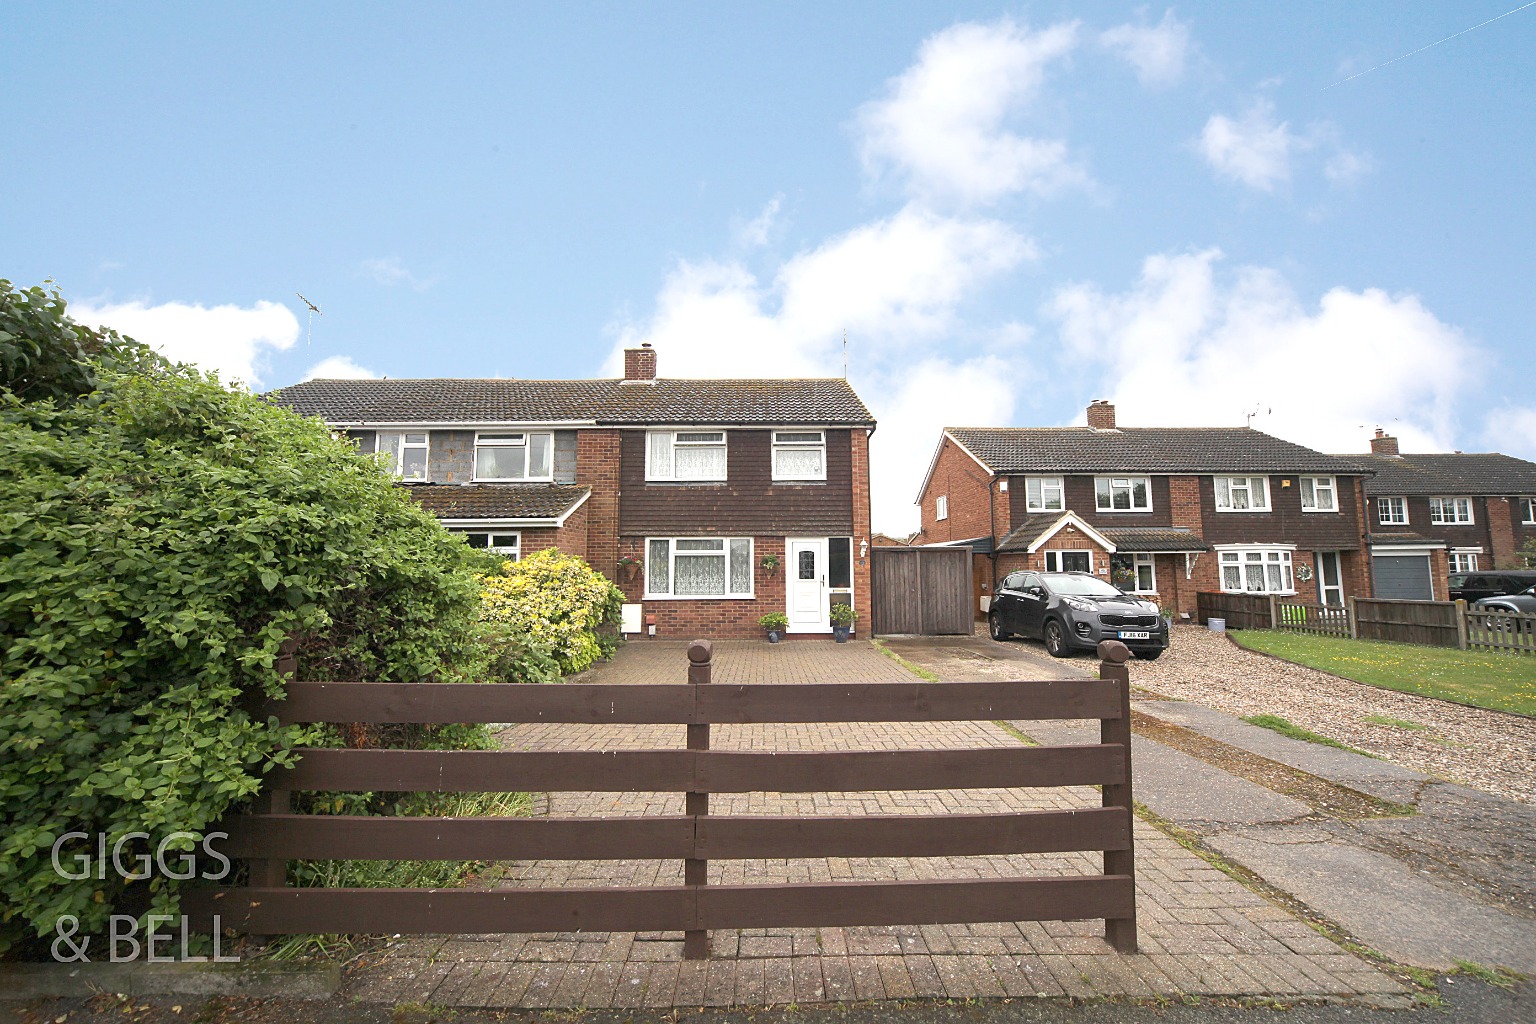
[1080, 586]
[1457, 582]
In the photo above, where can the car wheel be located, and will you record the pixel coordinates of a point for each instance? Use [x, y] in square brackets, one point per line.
[1152, 655]
[995, 627]
[1056, 640]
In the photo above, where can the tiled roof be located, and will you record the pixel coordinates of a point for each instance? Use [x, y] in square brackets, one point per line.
[1451, 473]
[1146, 450]
[497, 501]
[1031, 527]
[727, 402]
[1155, 538]
[1377, 540]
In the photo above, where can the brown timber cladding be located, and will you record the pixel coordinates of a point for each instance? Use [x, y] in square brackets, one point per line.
[269, 839]
[748, 503]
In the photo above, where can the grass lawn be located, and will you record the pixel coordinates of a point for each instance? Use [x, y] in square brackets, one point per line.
[1503, 682]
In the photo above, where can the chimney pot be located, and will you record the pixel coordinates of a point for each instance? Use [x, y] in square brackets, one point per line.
[640, 363]
[1384, 443]
[1101, 415]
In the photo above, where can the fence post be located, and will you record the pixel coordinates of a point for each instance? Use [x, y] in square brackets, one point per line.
[1274, 612]
[1354, 619]
[1461, 624]
[272, 872]
[1120, 932]
[701, 654]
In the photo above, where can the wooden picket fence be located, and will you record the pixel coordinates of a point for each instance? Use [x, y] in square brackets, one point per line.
[272, 835]
[1432, 623]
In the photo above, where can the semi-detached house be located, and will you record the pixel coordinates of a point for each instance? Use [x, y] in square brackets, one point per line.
[1164, 512]
[709, 502]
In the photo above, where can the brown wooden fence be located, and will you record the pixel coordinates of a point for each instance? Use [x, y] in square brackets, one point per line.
[923, 591]
[272, 836]
[1242, 611]
[1435, 623]
[1501, 631]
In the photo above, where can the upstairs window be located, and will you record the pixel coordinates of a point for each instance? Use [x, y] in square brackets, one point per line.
[685, 455]
[1450, 511]
[1242, 494]
[1392, 511]
[514, 456]
[1319, 494]
[1044, 494]
[1123, 493]
[1528, 506]
[799, 455]
[406, 452]
[941, 507]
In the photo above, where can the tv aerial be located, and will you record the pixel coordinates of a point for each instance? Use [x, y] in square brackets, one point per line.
[313, 309]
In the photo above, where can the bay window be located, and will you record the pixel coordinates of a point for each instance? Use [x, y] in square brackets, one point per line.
[1044, 494]
[1319, 494]
[1123, 493]
[1242, 493]
[1450, 511]
[1133, 573]
[1392, 511]
[514, 456]
[799, 455]
[685, 455]
[694, 567]
[407, 453]
[1257, 571]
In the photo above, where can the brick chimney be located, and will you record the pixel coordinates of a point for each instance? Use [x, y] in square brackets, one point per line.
[1384, 443]
[640, 363]
[1101, 415]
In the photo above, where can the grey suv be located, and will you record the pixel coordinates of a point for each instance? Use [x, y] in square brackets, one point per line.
[1074, 611]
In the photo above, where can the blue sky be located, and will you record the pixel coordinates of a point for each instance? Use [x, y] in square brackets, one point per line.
[1010, 209]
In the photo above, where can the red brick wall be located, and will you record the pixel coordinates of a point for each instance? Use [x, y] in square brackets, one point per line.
[597, 467]
[732, 618]
[1503, 518]
[570, 538]
[957, 476]
[862, 532]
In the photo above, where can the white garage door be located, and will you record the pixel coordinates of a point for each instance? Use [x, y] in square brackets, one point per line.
[1402, 577]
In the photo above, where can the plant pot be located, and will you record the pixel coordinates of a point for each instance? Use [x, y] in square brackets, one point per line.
[630, 571]
[840, 633]
[774, 636]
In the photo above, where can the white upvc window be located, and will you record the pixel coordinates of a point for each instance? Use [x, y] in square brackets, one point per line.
[1242, 494]
[685, 455]
[1450, 511]
[1257, 571]
[1123, 493]
[514, 456]
[799, 455]
[941, 507]
[1133, 573]
[501, 542]
[1044, 494]
[1069, 561]
[1392, 511]
[698, 567]
[407, 453]
[1464, 561]
[1319, 494]
[1528, 508]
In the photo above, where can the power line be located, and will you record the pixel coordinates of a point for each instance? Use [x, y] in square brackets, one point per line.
[1437, 42]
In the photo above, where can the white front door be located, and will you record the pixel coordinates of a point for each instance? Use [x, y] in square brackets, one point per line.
[807, 596]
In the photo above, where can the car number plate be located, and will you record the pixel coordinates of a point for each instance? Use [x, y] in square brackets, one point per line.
[1135, 634]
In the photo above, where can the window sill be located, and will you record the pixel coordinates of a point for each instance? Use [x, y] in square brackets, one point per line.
[1244, 511]
[1264, 593]
[1319, 511]
[687, 483]
[512, 480]
[808, 480]
[713, 597]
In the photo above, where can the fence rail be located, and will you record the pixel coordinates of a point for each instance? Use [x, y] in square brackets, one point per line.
[1501, 631]
[271, 837]
[1432, 623]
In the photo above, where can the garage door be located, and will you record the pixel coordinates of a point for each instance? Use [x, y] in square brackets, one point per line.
[1402, 577]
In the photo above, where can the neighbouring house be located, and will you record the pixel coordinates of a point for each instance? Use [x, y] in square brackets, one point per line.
[1442, 513]
[1164, 512]
[678, 490]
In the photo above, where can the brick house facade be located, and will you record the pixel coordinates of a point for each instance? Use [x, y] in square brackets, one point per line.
[1434, 514]
[694, 484]
[1162, 512]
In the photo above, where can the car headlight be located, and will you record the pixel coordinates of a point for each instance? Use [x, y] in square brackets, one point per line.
[1078, 604]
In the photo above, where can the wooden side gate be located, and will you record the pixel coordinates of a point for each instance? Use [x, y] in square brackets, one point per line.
[269, 838]
[924, 591]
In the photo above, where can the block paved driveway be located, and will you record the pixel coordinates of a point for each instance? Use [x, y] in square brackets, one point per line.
[1201, 932]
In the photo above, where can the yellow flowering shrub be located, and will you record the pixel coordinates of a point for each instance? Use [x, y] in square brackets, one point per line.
[558, 601]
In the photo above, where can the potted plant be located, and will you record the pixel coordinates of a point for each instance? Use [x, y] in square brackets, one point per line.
[843, 617]
[629, 566]
[1168, 612]
[775, 623]
[770, 563]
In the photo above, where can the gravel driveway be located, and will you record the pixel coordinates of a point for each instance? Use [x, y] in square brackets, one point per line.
[1489, 750]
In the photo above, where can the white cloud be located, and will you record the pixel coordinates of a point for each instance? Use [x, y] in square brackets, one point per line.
[230, 339]
[1511, 430]
[755, 233]
[1186, 347]
[392, 273]
[1345, 167]
[1157, 52]
[338, 368]
[1255, 150]
[941, 126]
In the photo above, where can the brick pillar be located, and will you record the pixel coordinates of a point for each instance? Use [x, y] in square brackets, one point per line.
[862, 534]
[1358, 581]
[1184, 507]
[597, 467]
[1500, 515]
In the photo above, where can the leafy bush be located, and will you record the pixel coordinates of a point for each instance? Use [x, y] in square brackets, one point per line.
[556, 600]
[46, 355]
[157, 543]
